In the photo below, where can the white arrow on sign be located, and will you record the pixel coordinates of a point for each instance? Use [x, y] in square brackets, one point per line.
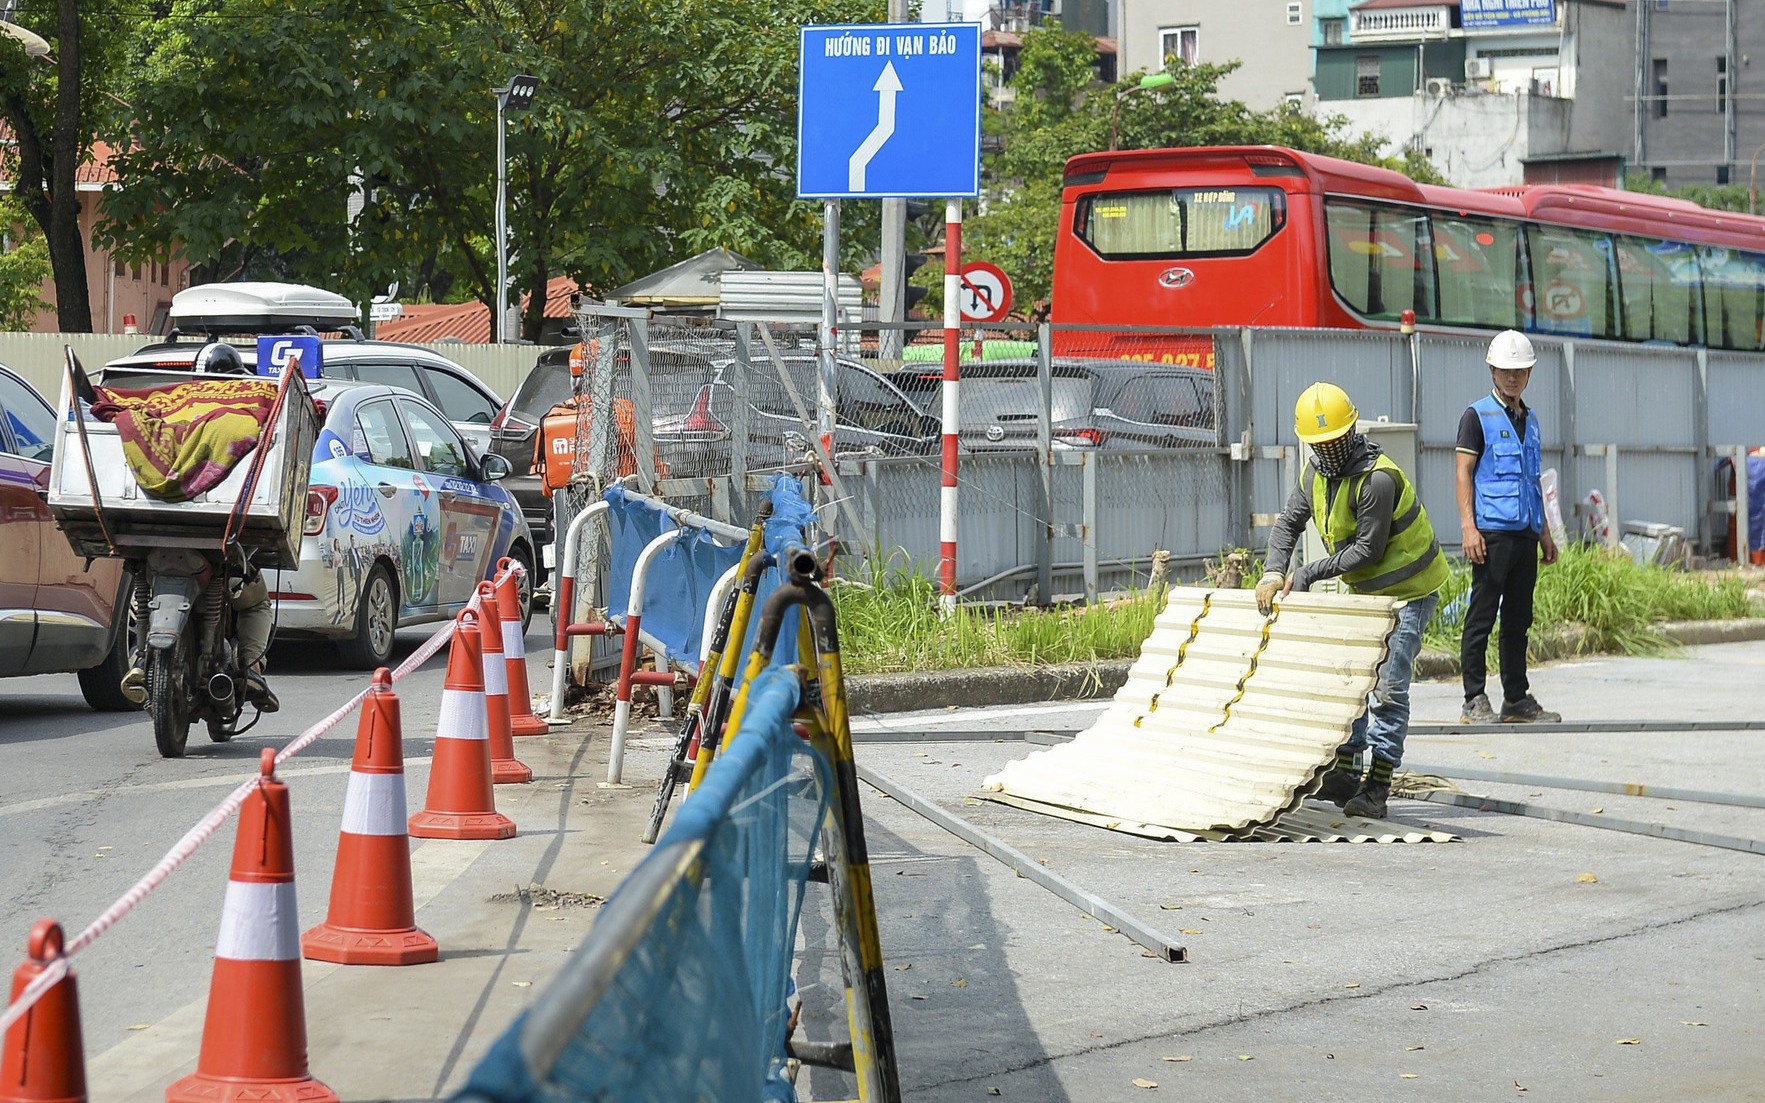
[885, 88]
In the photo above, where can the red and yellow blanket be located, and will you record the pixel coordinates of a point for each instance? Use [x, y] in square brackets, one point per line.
[183, 439]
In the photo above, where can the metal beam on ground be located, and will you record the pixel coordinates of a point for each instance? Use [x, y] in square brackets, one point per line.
[1027, 867]
[1604, 823]
[1617, 788]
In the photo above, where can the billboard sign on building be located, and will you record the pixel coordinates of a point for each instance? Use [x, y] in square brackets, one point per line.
[1507, 13]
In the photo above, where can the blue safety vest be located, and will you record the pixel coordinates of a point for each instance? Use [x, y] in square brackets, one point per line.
[1508, 497]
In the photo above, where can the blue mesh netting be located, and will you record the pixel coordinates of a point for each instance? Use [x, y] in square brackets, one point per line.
[791, 517]
[697, 1011]
[680, 580]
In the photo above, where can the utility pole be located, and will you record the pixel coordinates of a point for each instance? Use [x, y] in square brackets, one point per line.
[892, 292]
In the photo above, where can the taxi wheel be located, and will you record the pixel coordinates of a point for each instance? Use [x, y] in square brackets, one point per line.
[521, 555]
[376, 622]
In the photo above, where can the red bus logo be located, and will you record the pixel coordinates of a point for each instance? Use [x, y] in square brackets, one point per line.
[1176, 277]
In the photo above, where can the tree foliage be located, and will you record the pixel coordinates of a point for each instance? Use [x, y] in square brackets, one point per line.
[23, 267]
[658, 130]
[1059, 111]
[54, 108]
[1717, 197]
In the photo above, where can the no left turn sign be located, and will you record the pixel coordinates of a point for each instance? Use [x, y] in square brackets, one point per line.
[986, 292]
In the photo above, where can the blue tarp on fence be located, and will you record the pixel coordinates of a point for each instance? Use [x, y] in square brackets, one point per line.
[680, 580]
[679, 991]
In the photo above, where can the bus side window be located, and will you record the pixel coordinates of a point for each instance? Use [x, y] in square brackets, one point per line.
[1733, 284]
[1660, 290]
[1377, 259]
[1572, 282]
[1475, 262]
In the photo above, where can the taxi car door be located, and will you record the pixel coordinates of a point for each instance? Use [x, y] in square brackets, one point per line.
[468, 515]
[389, 464]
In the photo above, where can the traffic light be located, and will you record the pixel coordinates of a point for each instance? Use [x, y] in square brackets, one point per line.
[910, 263]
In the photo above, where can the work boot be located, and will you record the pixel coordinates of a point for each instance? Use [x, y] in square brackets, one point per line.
[1369, 803]
[1527, 711]
[134, 686]
[1338, 785]
[257, 692]
[1477, 710]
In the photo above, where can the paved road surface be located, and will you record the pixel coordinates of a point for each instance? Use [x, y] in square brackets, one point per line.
[1465, 971]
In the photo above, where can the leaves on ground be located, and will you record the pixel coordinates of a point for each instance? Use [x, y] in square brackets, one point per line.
[1586, 878]
[1142, 1082]
[1628, 1042]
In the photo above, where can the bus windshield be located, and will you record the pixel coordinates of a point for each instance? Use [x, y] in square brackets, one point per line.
[1176, 223]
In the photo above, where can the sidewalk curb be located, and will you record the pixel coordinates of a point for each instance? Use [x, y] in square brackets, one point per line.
[1024, 685]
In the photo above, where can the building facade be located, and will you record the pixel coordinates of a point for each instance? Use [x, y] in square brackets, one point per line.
[1271, 39]
[1493, 92]
[1697, 112]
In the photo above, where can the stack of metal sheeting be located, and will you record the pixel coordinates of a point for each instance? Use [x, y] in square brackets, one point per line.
[1226, 720]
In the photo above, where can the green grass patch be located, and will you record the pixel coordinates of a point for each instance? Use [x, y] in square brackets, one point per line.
[895, 625]
[1619, 604]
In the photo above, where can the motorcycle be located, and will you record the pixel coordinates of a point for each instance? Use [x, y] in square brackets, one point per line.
[191, 661]
[199, 610]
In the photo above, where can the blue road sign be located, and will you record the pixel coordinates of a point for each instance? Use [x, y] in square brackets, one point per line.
[889, 110]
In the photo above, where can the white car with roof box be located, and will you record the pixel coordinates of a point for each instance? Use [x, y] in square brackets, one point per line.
[240, 312]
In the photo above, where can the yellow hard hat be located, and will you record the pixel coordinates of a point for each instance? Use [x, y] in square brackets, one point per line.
[1324, 412]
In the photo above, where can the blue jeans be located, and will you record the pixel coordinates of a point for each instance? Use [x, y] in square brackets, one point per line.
[1387, 719]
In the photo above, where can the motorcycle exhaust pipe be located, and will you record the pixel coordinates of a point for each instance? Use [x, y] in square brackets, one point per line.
[220, 688]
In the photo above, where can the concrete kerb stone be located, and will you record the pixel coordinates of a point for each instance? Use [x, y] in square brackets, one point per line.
[1012, 685]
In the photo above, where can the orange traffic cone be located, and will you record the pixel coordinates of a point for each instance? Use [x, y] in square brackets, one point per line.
[43, 1059]
[372, 920]
[505, 768]
[522, 721]
[254, 1038]
[460, 804]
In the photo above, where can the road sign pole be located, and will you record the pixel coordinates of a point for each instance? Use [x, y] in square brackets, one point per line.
[825, 411]
[952, 383]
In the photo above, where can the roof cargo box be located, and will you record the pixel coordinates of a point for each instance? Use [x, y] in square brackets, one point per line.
[260, 308]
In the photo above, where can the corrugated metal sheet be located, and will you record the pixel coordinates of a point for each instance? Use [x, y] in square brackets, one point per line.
[1225, 720]
[786, 297]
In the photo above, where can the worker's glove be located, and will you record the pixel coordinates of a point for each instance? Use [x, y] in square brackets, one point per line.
[1267, 589]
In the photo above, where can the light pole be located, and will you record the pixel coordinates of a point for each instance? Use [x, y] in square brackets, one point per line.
[1147, 83]
[35, 45]
[517, 95]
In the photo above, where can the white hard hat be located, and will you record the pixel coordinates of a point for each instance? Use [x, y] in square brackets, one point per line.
[1512, 350]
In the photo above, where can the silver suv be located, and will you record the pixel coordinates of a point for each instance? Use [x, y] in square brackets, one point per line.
[1118, 405]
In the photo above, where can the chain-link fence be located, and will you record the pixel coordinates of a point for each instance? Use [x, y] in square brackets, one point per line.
[1073, 469]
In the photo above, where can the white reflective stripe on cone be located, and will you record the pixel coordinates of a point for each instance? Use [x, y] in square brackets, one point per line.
[513, 645]
[259, 923]
[462, 715]
[496, 675]
[374, 805]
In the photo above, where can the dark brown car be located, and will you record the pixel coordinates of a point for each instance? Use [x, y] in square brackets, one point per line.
[57, 615]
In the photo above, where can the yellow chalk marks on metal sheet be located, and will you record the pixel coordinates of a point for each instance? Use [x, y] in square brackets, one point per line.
[1170, 676]
[1262, 645]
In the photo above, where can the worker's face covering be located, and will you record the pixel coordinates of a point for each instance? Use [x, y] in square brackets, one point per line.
[1331, 457]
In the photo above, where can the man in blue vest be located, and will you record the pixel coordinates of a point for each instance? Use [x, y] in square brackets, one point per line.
[1380, 542]
[1501, 512]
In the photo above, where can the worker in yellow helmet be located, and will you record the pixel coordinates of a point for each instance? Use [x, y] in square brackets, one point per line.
[1380, 542]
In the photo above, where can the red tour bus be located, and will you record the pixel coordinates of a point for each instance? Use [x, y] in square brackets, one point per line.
[1260, 235]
